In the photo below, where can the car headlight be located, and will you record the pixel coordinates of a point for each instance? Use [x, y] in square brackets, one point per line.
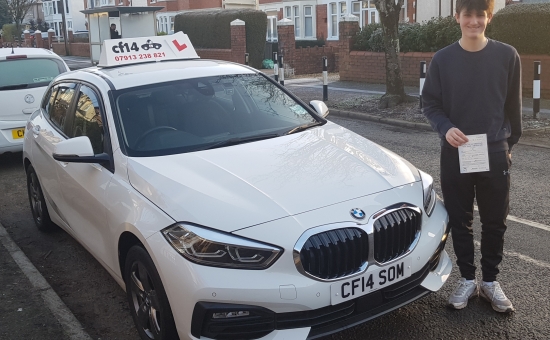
[429, 192]
[213, 248]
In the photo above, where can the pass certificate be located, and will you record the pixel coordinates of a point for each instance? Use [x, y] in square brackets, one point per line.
[474, 155]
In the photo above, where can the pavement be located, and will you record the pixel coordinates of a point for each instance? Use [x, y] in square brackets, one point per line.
[23, 285]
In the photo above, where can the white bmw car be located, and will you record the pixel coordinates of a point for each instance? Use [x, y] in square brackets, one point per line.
[225, 206]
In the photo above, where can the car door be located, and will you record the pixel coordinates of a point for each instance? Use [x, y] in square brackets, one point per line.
[47, 130]
[83, 185]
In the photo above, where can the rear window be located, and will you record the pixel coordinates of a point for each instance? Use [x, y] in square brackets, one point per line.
[26, 73]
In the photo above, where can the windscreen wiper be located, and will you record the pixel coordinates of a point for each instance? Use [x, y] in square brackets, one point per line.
[14, 87]
[303, 127]
[241, 140]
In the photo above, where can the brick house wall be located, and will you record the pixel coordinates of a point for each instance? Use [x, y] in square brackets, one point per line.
[321, 21]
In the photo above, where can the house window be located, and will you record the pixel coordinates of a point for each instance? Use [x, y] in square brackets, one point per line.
[369, 14]
[333, 20]
[356, 8]
[343, 8]
[308, 21]
[296, 12]
[271, 28]
[288, 13]
[171, 25]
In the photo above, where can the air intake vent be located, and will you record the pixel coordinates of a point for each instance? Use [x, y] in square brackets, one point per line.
[335, 253]
[394, 233]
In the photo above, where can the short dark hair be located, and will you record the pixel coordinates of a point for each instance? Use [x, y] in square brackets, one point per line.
[475, 6]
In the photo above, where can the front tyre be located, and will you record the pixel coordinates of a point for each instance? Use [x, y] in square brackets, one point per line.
[38, 203]
[146, 296]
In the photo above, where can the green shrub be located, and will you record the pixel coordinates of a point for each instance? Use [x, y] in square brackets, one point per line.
[161, 33]
[524, 26]
[9, 31]
[429, 36]
[310, 43]
[362, 39]
[211, 29]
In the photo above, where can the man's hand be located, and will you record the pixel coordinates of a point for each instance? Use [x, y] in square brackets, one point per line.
[455, 137]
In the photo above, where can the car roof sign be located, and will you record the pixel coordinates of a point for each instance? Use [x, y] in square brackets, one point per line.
[118, 52]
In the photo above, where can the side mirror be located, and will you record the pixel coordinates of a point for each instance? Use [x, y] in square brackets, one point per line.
[78, 150]
[320, 107]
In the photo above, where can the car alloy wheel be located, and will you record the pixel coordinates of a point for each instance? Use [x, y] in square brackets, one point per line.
[38, 204]
[147, 298]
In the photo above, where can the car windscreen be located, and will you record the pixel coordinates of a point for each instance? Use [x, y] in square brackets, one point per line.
[204, 113]
[28, 72]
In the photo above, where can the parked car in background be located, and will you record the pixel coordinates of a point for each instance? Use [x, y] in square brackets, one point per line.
[81, 37]
[24, 75]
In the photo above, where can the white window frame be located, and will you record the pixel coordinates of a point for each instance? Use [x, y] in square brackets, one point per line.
[366, 12]
[332, 11]
[310, 16]
[271, 28]
[288, 12]
[297, 21]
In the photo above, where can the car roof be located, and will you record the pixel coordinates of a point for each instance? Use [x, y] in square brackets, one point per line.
[29, 52]
[133, 75]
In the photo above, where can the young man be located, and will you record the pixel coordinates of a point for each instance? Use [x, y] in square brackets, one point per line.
[473, 87]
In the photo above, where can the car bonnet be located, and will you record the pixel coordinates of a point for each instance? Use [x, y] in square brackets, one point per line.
[244, 185]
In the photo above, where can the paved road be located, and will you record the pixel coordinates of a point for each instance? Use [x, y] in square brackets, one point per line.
[99, 303]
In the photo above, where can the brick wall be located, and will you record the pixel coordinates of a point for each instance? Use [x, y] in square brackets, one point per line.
[527, 75]
[235, 53]
[238, 43]
[370, 67]
[321, 23]
[214, 53]
[75, 49]
[310, 60]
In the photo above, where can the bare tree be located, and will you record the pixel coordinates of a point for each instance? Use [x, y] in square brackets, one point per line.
[389, 18]
[18, 9]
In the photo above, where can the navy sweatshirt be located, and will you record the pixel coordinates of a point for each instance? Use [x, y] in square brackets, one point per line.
[476, 92]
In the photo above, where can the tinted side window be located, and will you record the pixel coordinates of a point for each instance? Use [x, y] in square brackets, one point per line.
[61, 103]
[88, 120]
[48, 101]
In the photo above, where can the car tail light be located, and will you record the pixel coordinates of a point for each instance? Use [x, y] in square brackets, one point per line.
[22, 56]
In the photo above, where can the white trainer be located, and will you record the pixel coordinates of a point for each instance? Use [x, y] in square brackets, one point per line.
[462, 293]
[492, 292]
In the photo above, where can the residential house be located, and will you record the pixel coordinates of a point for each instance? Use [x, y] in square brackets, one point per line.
[74, 19]
[166, 16]
[35, 12]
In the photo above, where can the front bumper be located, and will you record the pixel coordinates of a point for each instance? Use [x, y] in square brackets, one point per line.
[323, 321]
[281, 303]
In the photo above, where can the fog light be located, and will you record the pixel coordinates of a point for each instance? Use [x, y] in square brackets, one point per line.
[234, 314]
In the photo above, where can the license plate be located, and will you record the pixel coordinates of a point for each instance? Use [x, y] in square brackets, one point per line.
[18, 133]
[370, 281]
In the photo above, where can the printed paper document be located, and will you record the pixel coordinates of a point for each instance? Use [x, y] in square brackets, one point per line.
[474, 155]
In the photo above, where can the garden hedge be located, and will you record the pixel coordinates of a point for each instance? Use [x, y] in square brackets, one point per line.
[211, 29]
[524, 26]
